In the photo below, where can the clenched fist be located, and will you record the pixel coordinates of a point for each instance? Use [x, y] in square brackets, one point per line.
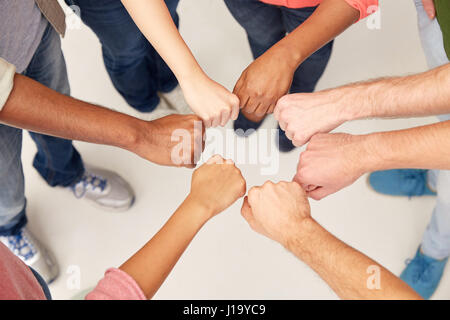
[211, 101]
[175, 140]
[276, 210]
[302, 115]
[216, 185]
[332, 162]
[263, 82]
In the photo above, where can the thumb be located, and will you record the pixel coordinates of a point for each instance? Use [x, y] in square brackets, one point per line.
[319, 193]
[246, 210]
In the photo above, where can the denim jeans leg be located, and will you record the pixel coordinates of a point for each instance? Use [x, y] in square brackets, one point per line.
[135, 68]
[436, 239]
[262, 23]
[12, 191]
[311, 70]
[57, 161]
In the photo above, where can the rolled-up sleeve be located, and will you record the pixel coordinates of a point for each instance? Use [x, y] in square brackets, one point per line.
[365, 7]
[7, 72]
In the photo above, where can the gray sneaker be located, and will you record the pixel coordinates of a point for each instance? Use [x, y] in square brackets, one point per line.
[25, 246]
[105, 189]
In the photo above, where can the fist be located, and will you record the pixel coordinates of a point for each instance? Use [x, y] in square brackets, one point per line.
[211, 101]
[175, 140]
[331, 162]
[302, 115]
[263, 82]
[217, 184]
[276, 210]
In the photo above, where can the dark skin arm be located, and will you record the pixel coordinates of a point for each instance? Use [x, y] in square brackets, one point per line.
[269, 77]
[35, 107]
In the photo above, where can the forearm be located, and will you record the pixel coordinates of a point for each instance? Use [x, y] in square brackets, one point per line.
[155, 22]
[347, 271]
[329, 20]
[417, 95]
[35, 107]
[151, 265]
[425, 147]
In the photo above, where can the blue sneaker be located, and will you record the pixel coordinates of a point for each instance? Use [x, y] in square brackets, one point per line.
[401, 182]
[244, 127]
[423, 274]
[283, 143]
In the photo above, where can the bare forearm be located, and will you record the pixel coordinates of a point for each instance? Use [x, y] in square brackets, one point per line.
[329, 20]
[417, 95]
[347, 271]
[151, 265]
[155, 22]
[34, 107]
[426, 147]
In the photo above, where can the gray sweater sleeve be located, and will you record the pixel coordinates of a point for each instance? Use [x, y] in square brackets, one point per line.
[7, 72]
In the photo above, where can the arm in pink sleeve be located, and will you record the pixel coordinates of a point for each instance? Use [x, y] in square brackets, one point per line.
[365, 7]
[116, 285]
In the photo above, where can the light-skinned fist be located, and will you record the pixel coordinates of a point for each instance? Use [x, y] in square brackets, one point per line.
[216, 185]
[302, 115]
[276, 210]
[332, 162]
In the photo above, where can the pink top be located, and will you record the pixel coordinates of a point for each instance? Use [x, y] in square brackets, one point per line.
[17, 282]
[364, 6]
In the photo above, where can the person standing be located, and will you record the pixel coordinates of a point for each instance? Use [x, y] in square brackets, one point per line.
[30, 40]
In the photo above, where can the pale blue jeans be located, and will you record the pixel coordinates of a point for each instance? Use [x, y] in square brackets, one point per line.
[436, 240]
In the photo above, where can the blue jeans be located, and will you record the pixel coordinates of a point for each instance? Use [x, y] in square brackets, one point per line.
[267, 24]
[436, 240]
[136, 70]
[56, 160]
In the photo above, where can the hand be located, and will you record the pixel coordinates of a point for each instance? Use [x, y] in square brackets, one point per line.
[210, 101]
[276, 210]
[428, 5]
[302, 115]
[264, 81]
[332, 162]
[159, 140]
[216, 185]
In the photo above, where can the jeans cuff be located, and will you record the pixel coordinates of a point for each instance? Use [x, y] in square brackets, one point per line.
[13, 228]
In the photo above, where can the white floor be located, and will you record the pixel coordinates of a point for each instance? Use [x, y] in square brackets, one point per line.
[227, 260]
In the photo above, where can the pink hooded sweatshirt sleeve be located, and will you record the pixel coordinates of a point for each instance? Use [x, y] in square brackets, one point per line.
[365, 7]
[116, 285]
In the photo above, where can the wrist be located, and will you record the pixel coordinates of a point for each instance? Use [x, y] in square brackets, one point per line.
[288, 54]
[201, 211]
[298, 237]
[382, 152]
[369, 153]
[192, 76]
[132, 134]
[138, 135]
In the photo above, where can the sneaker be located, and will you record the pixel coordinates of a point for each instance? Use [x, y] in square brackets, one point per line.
[105, 189]
[25, 246]
[401, 182]
[244, 127]
[175, 100]
[423, 274]
[283, 143]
